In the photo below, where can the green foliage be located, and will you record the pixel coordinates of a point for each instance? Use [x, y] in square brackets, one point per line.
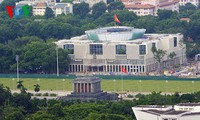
[37, 88]
[98, 9]
[49, 13]
[116, 5]
[45, 94]
[81, 9]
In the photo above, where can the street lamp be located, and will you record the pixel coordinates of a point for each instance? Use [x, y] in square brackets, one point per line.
[57, 60]
[193, 86]
[140, 85]
[13, 82]
[166, 86]
[63, 83]
[17, 59]
[114, 85]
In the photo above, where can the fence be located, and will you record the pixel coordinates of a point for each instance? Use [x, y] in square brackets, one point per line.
[107, 77]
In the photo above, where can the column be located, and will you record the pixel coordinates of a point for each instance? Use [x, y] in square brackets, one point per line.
[89, 86]
[86, 88]
[78, 87]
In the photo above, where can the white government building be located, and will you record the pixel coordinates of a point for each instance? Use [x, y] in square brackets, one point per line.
[110, 48]
[182, 111]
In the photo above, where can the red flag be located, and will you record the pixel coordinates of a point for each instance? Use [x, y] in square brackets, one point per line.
[123, 70]
[116, 19]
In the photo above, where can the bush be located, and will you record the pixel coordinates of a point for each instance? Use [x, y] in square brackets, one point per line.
[130, 96]
[53, 95]
[45, 94]
[38, 94]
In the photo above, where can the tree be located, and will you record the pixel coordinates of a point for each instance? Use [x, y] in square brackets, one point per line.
[98, 9]
[166, 14]
[49, 13]
[5, 94]
[6, 58]
[19, 84]
[37, 88]
[158, 56]
[171, 57]
[40, 57]
[116, 5]
[81, 9]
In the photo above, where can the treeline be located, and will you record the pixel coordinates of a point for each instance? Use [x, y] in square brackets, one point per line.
[22, 107]
[32, 37]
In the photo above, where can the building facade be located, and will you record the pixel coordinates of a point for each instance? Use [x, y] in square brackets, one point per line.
[88, 88]
[183, 111]
[111, 48]
[150, 7]
[194, 2]
[39, 8]
[62, 8]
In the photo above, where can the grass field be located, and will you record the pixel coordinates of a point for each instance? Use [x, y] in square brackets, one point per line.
[108, 85]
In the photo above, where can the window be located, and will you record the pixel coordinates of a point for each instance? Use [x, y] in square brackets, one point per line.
[175, 41]
[154, 44]
[70, 48]
[96, 49]
[142, 49]
[121, 49]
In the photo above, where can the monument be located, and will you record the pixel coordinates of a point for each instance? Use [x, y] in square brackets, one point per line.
[88, 88]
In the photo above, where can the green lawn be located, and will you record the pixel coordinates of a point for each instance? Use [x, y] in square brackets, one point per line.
[108, 85]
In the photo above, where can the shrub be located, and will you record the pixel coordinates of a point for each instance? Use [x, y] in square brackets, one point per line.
[53, 95]
[45, 94]
[38, 94]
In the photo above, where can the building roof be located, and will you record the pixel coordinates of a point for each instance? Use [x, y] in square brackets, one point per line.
[87, 79]
[60, 5]
[41, 4]
[189, 104]
[168, 3]
[147, 6]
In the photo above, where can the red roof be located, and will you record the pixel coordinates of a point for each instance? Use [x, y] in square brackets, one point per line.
[140, 6]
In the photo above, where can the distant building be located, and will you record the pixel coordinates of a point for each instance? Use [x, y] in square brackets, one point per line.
[150, 7]
[64, 8]
[141, 10]
[88, 88]
[90, 2]
[39, 8]
[194, 2]
[108, 49]
[182, 111]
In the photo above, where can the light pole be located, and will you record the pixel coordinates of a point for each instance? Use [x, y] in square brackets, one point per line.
[17, 59]
[193, 86]
[114, 85]
[13, 82]
[63, 83]
[140, 85]
[166, 86]
[57, 60]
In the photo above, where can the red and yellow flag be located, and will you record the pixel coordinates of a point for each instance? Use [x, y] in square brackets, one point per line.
[116, 19]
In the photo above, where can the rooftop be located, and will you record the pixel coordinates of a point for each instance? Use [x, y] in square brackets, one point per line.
[135, 6]
[61, 5]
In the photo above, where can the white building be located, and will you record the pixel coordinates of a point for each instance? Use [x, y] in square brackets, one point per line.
[110, 48]
[183, 111]
[60, 8]
[90, 2]
[194, 2]
[39, 8]
[150, 7]
[141, 10]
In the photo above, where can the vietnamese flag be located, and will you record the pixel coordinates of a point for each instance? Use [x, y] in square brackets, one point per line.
[116, 19]
[123, 70]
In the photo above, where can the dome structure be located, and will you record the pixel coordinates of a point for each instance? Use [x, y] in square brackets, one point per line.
[115, 33]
